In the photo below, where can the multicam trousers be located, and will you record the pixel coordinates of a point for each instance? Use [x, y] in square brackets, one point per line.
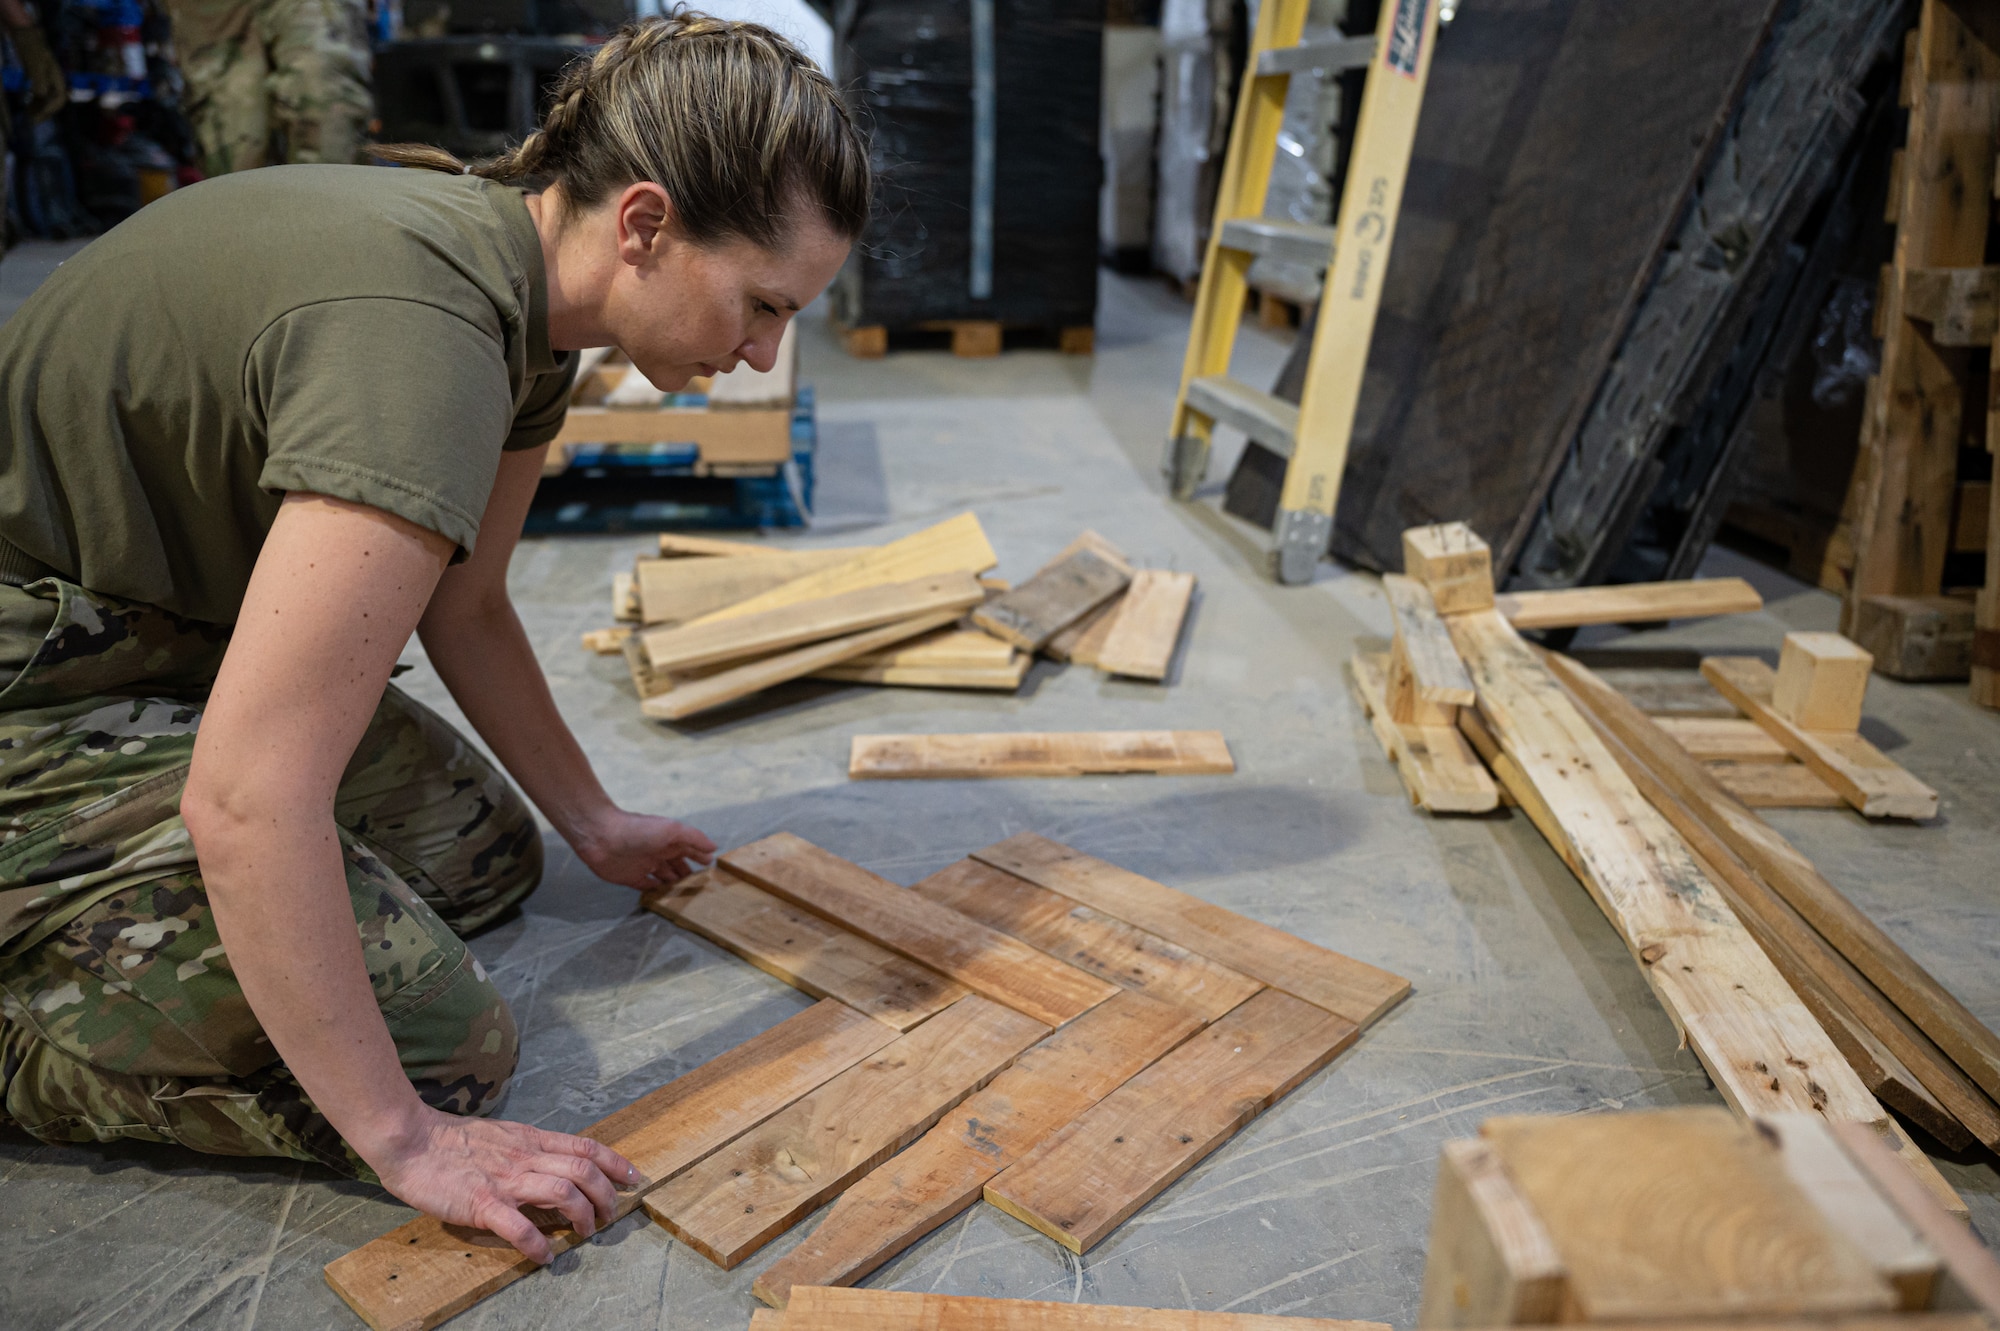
[294, 70]
[119, 1013]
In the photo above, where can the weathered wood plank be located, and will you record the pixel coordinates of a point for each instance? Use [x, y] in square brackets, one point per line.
[1051, 601]
[1004, 678]
[1430, 681]
[1628, 603]
[1714, 739]
[954, 545]
[1141, 640]
[674, 591]
[1438, 767]
[685, 699]
[687, 647]
[1790, 785]
[818, 1309]
[1040, 754]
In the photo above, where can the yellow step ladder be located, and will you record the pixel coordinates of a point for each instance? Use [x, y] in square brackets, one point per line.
[1314, 435]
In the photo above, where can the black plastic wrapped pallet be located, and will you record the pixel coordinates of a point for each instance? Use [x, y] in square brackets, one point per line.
[907, 66]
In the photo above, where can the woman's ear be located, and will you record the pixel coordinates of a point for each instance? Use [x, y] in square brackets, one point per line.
[644, 217]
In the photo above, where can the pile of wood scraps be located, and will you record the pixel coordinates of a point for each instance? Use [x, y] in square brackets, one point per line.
[714, 621]
[1029, 1025]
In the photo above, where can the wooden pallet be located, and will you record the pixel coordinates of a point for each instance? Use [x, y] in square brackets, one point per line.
[969, 339]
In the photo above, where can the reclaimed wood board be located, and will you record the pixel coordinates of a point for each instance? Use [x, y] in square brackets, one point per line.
[1714, 739]
[1438, 766]
[819, 1309]
[1429, 670]
[1044, 605]
[982, 959]
[1776, 785]
[1628, 603]
[1080, 643]
[956, 545]
[684, 699]
[1147, 628]
[674, 591]
[1041, 754]
[742, 1196]
[1489, 1261]
[1005, 679]
[690, 646]
[426, 1271]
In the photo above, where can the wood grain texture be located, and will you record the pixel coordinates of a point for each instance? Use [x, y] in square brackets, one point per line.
[1970, 1280]
[1865, 777]
[1714, 739]
[742, 1196]
[1489, 1262]
[676, 590]
[1089, 1177]
[1628, 603]
[1080, 643]
[422, 1273]
[1820, 1167]
[1436, 676]
[1039, 754]
[690, 646]
[1822, 681]
[804, 950]
[944, 1172]
[1340, 984]
[982, 959]
[1454, 562]
[738, 682]
[1439, 768]
[1006, 678]
[1141, 640]
[957, 544]
[1790, 785]
[944, 647]
[1052, 600]
[1108, 948]
[1680, 1214]
[821, 1309]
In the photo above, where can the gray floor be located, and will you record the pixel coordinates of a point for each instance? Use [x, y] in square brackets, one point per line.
[1525, 1000]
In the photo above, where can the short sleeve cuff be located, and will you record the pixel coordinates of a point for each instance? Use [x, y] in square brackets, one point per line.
[360, 485]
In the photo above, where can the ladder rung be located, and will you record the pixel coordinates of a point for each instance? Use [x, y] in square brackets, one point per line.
[1271, 421]
[1292, 242]
[1330, 53]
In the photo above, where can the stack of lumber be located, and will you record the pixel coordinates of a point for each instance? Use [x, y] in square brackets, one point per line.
[714, 621]
[1030, 1025]
[1791, 997]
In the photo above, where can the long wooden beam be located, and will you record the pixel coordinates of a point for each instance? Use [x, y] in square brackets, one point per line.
[1628, 603]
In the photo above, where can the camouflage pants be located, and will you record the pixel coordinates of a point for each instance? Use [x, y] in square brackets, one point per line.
[291, 71]
[120, 1016]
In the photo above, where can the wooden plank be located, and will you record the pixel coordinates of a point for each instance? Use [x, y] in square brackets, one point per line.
[953, 647]
[1451, 560]
[1110, 949]
[1340, 984]
[680, 544]
[728, 686]
[676, 590]
[1089, 1177]
[1039, 754]
[945, 1171]
[687, 647]
[982, 959]
[1669, 692]
[1490, 1262]
[804, 950]
[1438, 767]
[1971, 1277]
[1679, 1214]
[954, 545]
[1865, 778]
[819, 1309]
[1735, 739]
[1776, 786]
[742, 1196]
[1141, 640]
[1436, 678]
[1761, 1046]
[1005, 678]
[1080, 643]
[1629, 603]
[420, 1274]
[1051, 601]
[1822, 680]
[1820, 1167]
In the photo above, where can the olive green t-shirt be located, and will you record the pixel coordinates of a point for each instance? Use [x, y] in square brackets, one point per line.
[375, 334]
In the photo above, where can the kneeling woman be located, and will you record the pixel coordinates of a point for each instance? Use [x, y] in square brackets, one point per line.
[253, 439]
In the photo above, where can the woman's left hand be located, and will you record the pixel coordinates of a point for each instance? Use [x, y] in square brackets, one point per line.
[642, 851]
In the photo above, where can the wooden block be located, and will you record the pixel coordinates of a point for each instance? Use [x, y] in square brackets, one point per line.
[727, 686]
[1141, 640]
[1970, 1279]
[1628, 603]
[624, 598]
[741, 1197]
[1438, 767]
[1490, 1262]
[870, 342]
[1081, 753]
[975, 338]
[985, 961]
[1453, 562]
[1790, 785]
[1822, 679]
[1679, 1214]
[819, 1309]
[1087, 1178]
[1110, 949]
[1820, 1167]
[420, 1274]
[1427, 681]
[675, 590]
[944, 1172]
[956, 545]
[804, 950]
[690, 646]
[1340, 984]
[606, 642]
[1736, 739]
[1865, 778]
[1005, 678]
[1916, 637]
[1050, 601]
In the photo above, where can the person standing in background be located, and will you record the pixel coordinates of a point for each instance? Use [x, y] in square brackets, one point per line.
[48, 88]
[272, 81]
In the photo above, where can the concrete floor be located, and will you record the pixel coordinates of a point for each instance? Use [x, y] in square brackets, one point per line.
[1525, 1001]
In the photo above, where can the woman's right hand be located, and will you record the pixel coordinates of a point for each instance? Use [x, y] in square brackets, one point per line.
[480, 1172]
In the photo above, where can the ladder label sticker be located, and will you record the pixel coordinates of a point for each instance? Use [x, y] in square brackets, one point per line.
[1406, 37]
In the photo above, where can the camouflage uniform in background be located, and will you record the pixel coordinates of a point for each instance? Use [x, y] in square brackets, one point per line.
[296, 71]
[119, 1013]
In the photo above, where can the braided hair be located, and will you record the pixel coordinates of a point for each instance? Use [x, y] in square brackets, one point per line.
[737, 124]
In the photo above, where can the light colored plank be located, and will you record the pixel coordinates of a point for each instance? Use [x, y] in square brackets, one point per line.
[1436, 676]
[1822, 680]
[955, 545]
[984, 960]
[1089, 1177]
[1970, 1280]
[741, 1197]
[1080, 643]
[1110, 949]
[679, 545]
[1438, 767]
[1790, 785]
[688, 647]
[728, 686]
[767, 1319]
[804, 950]
[1038, 609]
[1820, 1167]
[420, 1274]
[1628, 603]
[1451, 560]
[1761, 1046]
[947, 647]
[1353, 989]
[819, 1309]
[1141, 640]
[1679, 1214]
[1490, 1263]
[1714, 739]
[677, 590]
[1039, 754]
[1004, 679]
[606, 642]
[944, 1172]
[1865, 778]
